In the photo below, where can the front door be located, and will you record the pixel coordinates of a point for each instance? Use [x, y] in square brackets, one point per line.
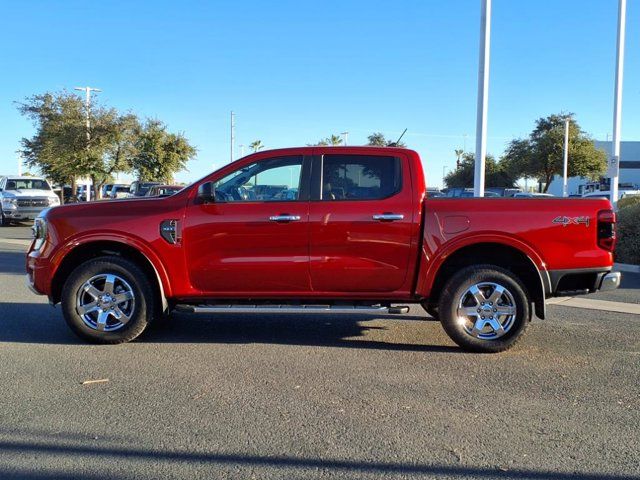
[361, 218]
[254, 238]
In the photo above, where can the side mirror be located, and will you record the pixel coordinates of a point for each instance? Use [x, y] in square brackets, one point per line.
[206, 193]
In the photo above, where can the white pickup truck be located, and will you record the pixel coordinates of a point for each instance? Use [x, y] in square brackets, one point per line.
[23, 198]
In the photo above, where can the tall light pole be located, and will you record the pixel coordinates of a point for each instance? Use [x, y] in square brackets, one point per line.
[614, 163]
[345, 135]
[565, 188]
[483, 93]
[87, 107]
[233, 133]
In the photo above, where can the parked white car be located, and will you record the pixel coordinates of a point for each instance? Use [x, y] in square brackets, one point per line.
[532, 195]
[23, 198]
[118, 190]
[607, 194]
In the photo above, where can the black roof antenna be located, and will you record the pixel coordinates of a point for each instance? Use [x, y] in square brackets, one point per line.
[395, 144]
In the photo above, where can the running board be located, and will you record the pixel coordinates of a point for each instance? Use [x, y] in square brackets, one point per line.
[290, 309]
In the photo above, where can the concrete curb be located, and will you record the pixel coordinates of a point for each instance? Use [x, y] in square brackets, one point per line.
[626, 267]
[592, 304]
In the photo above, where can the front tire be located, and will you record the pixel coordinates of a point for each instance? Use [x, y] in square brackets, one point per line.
[108, 300]
[484, 308]
[4, 221]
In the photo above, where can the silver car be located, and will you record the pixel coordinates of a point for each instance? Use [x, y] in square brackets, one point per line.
[23, 198]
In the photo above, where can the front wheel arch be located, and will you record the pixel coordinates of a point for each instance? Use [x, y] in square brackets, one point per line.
[95, 249]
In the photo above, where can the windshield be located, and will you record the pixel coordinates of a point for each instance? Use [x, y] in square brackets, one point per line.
[26, 184]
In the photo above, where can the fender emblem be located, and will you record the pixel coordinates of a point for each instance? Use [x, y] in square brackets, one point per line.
[564, 221]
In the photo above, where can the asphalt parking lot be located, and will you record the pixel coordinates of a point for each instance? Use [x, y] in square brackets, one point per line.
[254, 396]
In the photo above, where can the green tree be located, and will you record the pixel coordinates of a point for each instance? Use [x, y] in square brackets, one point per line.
[333, 140]
[540, 156]
[61, 150]
[158, 153]
[378, 139]
[58, 149]
[495, 173]
[256, 145]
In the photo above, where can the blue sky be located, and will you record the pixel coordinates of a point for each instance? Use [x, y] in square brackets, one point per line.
[297, 71]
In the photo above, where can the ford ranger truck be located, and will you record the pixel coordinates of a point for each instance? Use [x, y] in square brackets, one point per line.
[321, 229]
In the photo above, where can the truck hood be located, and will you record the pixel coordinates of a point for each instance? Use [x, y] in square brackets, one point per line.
[29, 192]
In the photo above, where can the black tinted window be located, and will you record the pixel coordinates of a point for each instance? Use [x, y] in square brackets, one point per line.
[359, 177]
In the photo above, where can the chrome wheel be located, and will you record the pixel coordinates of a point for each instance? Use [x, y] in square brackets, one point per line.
[105, 302]
[487, 310]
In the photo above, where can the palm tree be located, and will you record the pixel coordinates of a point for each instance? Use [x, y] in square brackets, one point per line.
[256, 145]
[459, 153]
[334, 140]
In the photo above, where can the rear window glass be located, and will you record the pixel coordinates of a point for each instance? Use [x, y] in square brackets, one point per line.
[360, 177]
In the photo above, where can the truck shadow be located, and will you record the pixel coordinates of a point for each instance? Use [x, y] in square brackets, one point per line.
[40, 323]
[347, 331]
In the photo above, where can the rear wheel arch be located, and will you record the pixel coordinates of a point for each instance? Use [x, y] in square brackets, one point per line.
[492, 253]
[102, 248]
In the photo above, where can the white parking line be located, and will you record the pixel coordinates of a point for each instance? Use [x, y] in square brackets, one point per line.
[604, 305]
[15, 241]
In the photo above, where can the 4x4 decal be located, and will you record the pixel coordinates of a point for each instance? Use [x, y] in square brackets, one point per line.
[564, 221]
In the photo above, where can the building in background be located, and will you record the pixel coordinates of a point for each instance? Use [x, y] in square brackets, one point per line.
[629, 171]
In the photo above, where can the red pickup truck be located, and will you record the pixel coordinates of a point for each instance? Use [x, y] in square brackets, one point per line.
[321, 229]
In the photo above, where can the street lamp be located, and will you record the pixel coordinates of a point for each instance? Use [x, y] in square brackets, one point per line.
[87, 106]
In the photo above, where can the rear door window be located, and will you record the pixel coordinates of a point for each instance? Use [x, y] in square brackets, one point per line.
[360, 177]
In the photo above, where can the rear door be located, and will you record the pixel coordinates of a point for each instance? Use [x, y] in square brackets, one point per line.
[360, 219]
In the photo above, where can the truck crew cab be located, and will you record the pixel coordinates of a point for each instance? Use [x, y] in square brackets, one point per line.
[321, 229]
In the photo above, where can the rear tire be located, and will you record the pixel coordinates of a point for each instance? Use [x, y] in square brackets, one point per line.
[108, 300]
[484, 308]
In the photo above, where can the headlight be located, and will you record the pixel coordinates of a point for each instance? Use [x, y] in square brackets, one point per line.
[10, 201]
[54, 201]
[39, 230]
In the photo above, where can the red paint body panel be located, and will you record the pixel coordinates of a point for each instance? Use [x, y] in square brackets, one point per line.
[336, 250]
[233, 248]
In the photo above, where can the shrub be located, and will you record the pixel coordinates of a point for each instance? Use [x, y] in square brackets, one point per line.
[628, 231]
[629, 201]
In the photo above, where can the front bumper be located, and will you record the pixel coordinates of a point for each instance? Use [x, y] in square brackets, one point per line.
[38, 277]
[22, 213]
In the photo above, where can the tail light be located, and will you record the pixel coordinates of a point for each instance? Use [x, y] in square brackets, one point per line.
[607, 230]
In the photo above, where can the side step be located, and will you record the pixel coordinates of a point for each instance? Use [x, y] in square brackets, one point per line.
[291, 309]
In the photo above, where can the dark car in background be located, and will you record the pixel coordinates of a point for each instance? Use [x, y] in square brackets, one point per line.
[163, 190]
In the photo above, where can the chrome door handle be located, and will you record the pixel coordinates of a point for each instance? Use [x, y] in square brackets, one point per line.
[388, 217]
[285, 218]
